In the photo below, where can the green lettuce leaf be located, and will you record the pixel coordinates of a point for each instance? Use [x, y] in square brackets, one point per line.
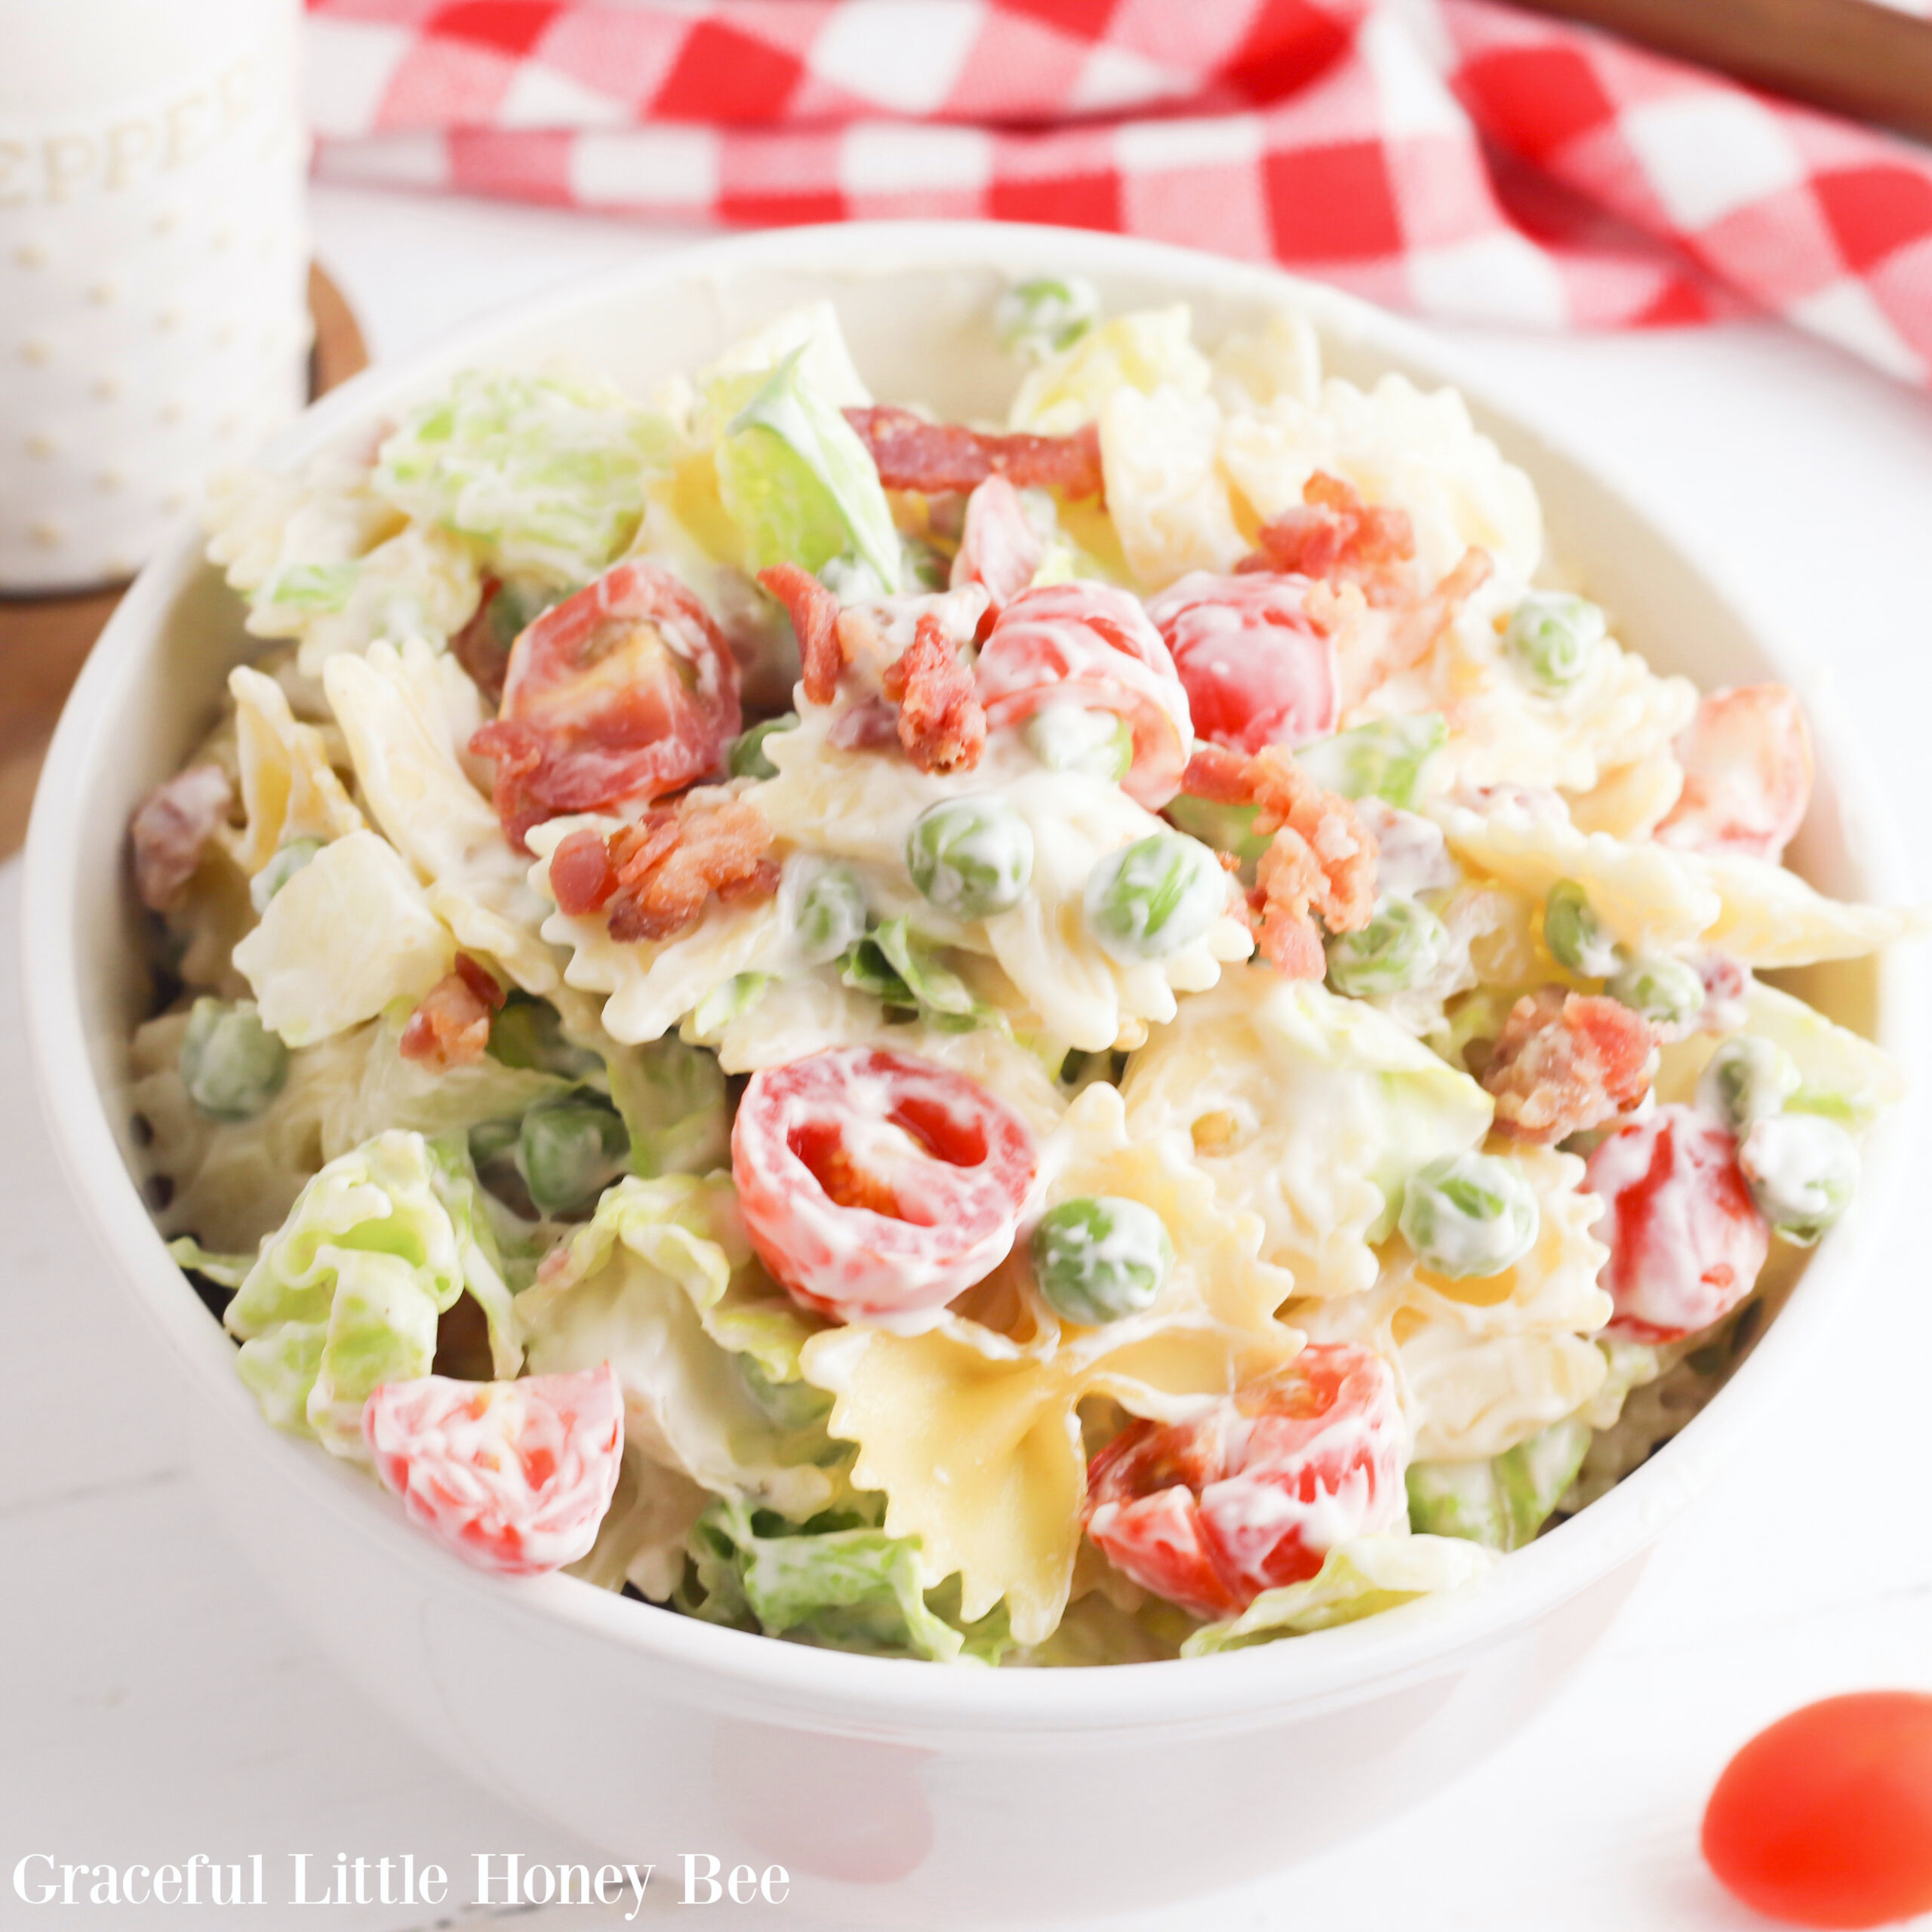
[662, 1283]
[346, 1295]
[546, 474]
[837, 1581]
[1502, 1503]
[673, 1100]
[1356, 1580]
[797, 480]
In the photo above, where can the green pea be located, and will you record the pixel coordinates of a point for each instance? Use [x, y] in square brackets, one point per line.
[1667, 992]
[231, 1064]
[1399, 948]
[288, 860]
[1387, 759]
[1151, 898]
[747, 757]
[527, 1032]
[1802, 1170]
[832, 915]
[1575, 934]
[972, 857]
[1036, 318]
[1748, 1078]
[1550, 637]
[1069, 737]
[1100, 1258]
[568, 1150]
[1469, 1214]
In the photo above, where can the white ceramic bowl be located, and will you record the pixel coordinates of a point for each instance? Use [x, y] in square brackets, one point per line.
[895, 1793]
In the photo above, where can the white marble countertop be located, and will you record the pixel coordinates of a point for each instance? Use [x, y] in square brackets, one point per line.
[154, 1703]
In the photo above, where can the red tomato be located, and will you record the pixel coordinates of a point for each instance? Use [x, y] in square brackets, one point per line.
[1826, 1819]
[876, 1184]
[1257, 670]
[613, 698]
[1686, 1241]
[1255, 1494]
[999, 550]
[1747, 774]
[513, 1476]
[1092, 645]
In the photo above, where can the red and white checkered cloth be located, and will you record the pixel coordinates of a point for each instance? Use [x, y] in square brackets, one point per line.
[1452, 157]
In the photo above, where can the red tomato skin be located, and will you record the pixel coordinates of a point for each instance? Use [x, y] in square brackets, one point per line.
[1090, 644]
[1686, 1240]
[999, 550]
[1825, 1818]
[616, 696]
[915, 1226]
[1253, 1494]
[1257, 670]
[513, 1477]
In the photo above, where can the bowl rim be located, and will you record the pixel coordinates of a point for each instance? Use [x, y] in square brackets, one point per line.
[838, 1691]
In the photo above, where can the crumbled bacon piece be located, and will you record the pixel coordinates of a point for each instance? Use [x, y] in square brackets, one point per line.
[814, 614]
[1566, 1062]
[170, 827]
[941, 723]
[1334, 536]
[450, 1027]
[581, 880]
[865, 728]
[669, 863]
[484, 656]
[1321, 860]
[933, 457]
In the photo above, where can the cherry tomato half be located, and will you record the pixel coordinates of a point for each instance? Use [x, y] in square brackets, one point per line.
[876, 1184]
[1087, 644]
[1255, 1492]
[1686, 1240]
[1256, 669]
[513, 1476]
[1826, 1818]
[613, 698]
[1747, 774]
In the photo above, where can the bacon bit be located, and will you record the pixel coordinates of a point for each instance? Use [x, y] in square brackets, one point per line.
[1333, 536]
[1418, 628]
[1218, 775]
[675, 856]
[484, 657]
[581, 880]
[1566, 1062]
[171, 827]
[941, 723]
[1321, 860]
[999, 548]
[934, 457]
[814, 613]
[450, 1027]
[1747, 766]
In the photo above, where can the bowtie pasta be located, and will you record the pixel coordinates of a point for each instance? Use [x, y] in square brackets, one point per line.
[1090, 1038]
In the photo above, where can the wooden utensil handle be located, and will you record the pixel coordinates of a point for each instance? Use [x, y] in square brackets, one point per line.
[1854, 57]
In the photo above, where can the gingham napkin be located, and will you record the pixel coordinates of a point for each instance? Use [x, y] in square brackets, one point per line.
[1452, 157]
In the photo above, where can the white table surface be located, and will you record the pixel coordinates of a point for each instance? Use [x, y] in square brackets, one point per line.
[154, 1703]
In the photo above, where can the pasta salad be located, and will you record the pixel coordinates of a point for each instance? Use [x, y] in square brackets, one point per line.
[1085, 1040]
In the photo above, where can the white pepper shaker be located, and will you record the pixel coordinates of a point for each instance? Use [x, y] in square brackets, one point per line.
[153, 266]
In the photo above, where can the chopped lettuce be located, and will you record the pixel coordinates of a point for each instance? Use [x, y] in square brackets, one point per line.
[1502, 1503]
[346, 1294]
[546, 473]
[673, 1100]
[900, 968]
[798, 481]
[1356, 1580]
[837, 1581]
[662, 1283]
